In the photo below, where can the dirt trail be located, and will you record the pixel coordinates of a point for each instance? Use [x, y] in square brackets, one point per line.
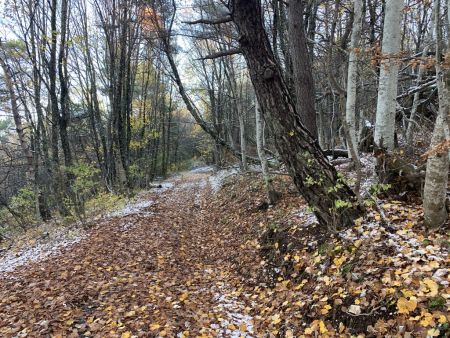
[164, 271]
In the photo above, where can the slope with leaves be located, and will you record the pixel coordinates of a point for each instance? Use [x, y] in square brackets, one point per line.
[386, 276]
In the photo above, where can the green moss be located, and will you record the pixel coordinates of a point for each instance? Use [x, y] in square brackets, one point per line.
[436, 303]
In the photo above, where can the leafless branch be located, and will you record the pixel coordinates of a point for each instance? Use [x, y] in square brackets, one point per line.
[221, 54]
[217, 21]
[416, 89]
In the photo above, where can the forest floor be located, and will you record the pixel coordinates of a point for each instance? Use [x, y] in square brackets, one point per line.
[197, 260]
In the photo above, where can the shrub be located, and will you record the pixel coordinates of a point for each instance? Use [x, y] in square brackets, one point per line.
[24, 204]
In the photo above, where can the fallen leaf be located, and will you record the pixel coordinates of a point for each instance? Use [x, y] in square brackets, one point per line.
[126, 334]
[406, 306]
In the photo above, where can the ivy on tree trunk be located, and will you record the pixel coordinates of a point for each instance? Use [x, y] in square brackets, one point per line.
[332, 200]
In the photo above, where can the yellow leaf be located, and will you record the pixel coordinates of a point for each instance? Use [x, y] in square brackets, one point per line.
[322, 327]
[442, 319]
[433, 333]
[338, 261]
[406, 306]
[427, 319]
[407, 293]
[232, 327]
[434, 264]
[184, 296]
[126, 335]
[325, 309]
[276, 319]
[242, 327]
[409, 225]
[154, 326]
[309, 330]
[432, 286]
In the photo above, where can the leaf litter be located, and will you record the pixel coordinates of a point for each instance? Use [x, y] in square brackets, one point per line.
[205, 261]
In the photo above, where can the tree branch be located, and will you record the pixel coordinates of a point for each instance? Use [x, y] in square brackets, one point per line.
[217, 21]
[221, 54]
[416, 89]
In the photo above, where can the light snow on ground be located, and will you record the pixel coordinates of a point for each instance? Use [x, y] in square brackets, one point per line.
[53, 247]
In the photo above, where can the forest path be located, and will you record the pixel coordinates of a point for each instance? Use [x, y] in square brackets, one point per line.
[159, 271]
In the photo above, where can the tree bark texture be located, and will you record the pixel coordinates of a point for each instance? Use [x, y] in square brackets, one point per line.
[301, 65]
[333, 202]
[352, 76]
[387, 87]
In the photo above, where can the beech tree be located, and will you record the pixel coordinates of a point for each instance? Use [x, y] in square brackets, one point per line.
[271, 193]
[387, 87]
[352, 77]
[436, 180]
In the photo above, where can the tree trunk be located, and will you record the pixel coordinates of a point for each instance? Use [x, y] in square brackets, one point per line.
[436, 179]
[32, 162]
[16, 115]
[53, 90]
[333, 202]
[301, 65]
[387, 87]
[435, 189]
[242, 139]
[272, 195]
[420, 74]
[352, 78]
[64, 90]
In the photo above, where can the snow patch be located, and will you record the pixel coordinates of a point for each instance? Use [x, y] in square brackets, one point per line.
[12, 260]
[202, 170]
[64, 239]
[309, 218]
[216, 181]
[164, 186]
[131, 208]
[233, 310]
[403, 242]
